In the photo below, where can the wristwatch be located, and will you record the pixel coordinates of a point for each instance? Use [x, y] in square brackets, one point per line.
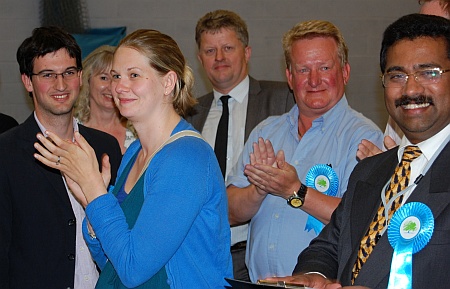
[298, 198]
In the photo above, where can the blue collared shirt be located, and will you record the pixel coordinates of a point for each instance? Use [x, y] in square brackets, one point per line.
[277, 232]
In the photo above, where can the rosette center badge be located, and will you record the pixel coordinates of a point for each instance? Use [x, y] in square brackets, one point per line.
[410, 227]
[322, 183]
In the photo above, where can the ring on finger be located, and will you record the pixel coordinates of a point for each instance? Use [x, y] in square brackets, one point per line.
[58, 161]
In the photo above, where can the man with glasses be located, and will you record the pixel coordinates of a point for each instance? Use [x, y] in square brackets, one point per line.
[373, 227]
[41, 244]
[393, 133]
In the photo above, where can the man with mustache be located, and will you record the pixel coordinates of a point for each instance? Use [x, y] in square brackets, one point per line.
[370, 229]
[393, 133]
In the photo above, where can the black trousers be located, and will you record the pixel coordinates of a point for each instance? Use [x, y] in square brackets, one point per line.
[240, 271]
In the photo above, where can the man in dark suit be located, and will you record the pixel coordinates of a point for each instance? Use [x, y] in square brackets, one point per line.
[222, 40]
[415, 61]
[41, 244]
[7, 122]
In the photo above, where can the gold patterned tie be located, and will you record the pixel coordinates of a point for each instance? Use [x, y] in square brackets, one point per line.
[399, 181]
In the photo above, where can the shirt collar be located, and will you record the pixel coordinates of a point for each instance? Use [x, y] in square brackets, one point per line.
[238, 93]
[429, 146]
[324, 120]
[43, 129]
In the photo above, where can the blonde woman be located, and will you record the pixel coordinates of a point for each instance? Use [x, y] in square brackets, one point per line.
[95, 106]
[165, 223]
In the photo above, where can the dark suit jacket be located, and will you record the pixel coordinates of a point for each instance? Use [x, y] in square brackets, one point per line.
[334, 251]
[6, 122]
[265, 98]
[37, 232]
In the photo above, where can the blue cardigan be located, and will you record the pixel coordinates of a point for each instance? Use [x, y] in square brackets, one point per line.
[183, 224]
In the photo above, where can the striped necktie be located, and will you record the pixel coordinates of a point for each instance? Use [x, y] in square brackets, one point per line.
[399, 181]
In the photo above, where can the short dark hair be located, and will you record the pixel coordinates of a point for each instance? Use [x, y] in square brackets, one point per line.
[46, 40]
[413, 26]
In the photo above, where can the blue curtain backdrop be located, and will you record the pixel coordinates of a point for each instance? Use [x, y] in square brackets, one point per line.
[96, 37]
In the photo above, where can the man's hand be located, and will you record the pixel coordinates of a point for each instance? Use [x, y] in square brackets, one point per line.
[367, 149]
[315, 281]
[263, 153]
[275, 177]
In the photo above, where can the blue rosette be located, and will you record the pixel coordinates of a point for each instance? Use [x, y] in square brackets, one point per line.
[409, 231]
[325, 180]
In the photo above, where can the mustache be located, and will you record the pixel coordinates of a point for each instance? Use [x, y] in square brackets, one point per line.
[420, 99]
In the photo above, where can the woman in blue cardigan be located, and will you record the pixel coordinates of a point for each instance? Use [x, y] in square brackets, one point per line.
[165, 222]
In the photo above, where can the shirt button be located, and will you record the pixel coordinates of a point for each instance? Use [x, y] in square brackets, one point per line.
[276, 216]
[71, 257]
[71, 222]
[296, 163]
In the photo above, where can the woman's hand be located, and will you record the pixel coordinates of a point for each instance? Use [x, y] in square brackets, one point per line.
[78, 163]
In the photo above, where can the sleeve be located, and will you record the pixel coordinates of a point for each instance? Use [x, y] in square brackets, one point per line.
[177, 184]
[94, 247]
[365, 131]
[5, 228]
[93, 244]
[236, 176]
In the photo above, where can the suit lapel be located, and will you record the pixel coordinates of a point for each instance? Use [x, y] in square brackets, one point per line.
[202, 110]
[432, 190]
[49, 175]
[254, 108]
[369, 194]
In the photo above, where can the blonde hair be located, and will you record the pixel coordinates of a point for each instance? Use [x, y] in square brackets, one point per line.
[98, 61]
[164, 55]
[213, 21]
[310, 30]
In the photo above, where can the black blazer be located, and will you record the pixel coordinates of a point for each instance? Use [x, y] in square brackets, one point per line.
[334, 251]
[37, 232]
[265, 98]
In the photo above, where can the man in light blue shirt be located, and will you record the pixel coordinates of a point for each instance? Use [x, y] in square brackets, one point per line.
[315, 144]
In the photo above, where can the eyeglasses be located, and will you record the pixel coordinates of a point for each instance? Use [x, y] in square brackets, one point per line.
[69, 74]
[424, 77]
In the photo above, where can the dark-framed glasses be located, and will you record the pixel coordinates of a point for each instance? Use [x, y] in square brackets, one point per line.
[69, 74]
[425, 76]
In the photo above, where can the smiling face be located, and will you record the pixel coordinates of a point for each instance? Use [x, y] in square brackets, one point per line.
[100, 90]
[316, 75]
[224, 58]
[56, 97]
[136, 87]
[419, 120]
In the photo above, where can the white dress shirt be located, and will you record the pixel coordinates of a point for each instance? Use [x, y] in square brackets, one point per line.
[429, 148]
[237, 105]
[86, 273]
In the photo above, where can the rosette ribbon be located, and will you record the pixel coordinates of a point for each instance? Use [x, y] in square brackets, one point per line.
[324, 179]
[409, 231]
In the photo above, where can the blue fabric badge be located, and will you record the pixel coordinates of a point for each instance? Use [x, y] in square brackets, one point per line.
[409, 231]
[324, 179]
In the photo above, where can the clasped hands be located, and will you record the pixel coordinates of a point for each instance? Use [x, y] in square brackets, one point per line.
[78, 164]
[271, 173]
